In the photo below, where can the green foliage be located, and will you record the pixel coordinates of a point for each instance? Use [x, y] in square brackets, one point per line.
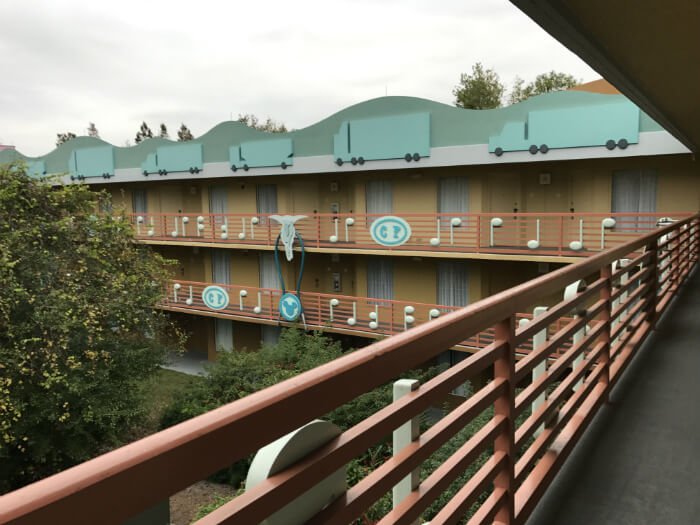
[237, 374]
[208, 508]
[269, 125]
[482, 89]
[143, 133]
[184, 134]
[78, 332]
[64, 137]
[544, 83]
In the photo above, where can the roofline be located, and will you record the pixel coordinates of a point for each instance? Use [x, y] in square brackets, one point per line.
[559, 22]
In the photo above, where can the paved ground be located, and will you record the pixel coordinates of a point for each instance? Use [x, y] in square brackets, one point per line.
[187, 363]
[640, 461]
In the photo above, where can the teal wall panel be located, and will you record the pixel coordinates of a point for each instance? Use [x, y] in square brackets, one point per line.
[36, 168]
[85, 163]
[262, 153]
[574, 127]
[172, 159]
[383, 137]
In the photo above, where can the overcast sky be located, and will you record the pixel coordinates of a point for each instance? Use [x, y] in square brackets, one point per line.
[65, 63]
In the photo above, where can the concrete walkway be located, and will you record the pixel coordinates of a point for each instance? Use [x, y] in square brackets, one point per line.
[187, 363]
[639, 463]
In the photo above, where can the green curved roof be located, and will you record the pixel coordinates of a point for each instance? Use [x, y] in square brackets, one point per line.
[449, 126]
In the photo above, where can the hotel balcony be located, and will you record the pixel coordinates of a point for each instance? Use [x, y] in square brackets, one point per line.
[360, 316]
[537, 405]
[545, 237]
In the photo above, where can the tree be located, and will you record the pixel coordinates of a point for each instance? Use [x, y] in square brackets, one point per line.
[544, 83]
[64, 137]
[163, 131]
[184, 134]
[482, 89]
[143, 133]
[92, 130]
[237, 374]
[78, 328]
[269, 125]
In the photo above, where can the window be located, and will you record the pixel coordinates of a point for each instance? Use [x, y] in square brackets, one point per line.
[269, 277]
[453, 283]
[380, 278]
[266, 197]
[221, 266]
[223, 332]
[453, 197]
[378, 197]
[634, 191]
[218, 203]
[139, 201]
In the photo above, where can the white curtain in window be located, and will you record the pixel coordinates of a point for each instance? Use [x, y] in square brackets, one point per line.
[378, 197]
[266, 195]
[380, 278]
[453, 283]
[221, 266]
[634, 191]
[269, 278]
[139, 201]
[218, 202]
[453, 196]
[223, 331]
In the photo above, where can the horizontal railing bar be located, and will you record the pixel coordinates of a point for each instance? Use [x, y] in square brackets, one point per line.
[633, 281]
[417, 501]
[278, 490]
[383, 478]
[566, 307]
[643, 287]
[554, 401]
[532, 488]
[488, 510]
[458, 506]
[550, 433]
[642, 327]
[529, 393]
[632, 264]
[143, 474]
[631, 313]
[529, 362]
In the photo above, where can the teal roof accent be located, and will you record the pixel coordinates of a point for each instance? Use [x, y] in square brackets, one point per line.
[448, 126]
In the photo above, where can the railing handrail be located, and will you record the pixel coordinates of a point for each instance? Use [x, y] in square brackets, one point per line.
[445, 215]
[141, 469]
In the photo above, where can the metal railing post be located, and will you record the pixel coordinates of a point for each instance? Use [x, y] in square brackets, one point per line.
[604, 359]
[654, 282]
[401, 438]
[504, 368]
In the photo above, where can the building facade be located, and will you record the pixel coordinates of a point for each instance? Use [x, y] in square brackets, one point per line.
[406, 208]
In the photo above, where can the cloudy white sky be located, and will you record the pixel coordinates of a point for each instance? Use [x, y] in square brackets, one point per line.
[65, 63]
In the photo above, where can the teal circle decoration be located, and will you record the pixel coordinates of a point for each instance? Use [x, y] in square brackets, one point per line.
[215, 297]
[390, 231]
[290, 307]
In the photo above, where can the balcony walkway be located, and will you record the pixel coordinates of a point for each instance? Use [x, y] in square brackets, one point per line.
[640, 462]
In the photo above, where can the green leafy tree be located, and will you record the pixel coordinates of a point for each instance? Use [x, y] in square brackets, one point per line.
[482, 89]
[269, 125]
[544, 83]
[143, 133]
[64, 137]
[78, 329]
[163, 133]
[184, 134]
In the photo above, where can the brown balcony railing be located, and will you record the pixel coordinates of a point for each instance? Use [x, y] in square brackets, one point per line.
[559, 234]
[524, 448]
[362, 316]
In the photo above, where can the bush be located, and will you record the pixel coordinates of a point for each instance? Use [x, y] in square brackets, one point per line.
[78, 329]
